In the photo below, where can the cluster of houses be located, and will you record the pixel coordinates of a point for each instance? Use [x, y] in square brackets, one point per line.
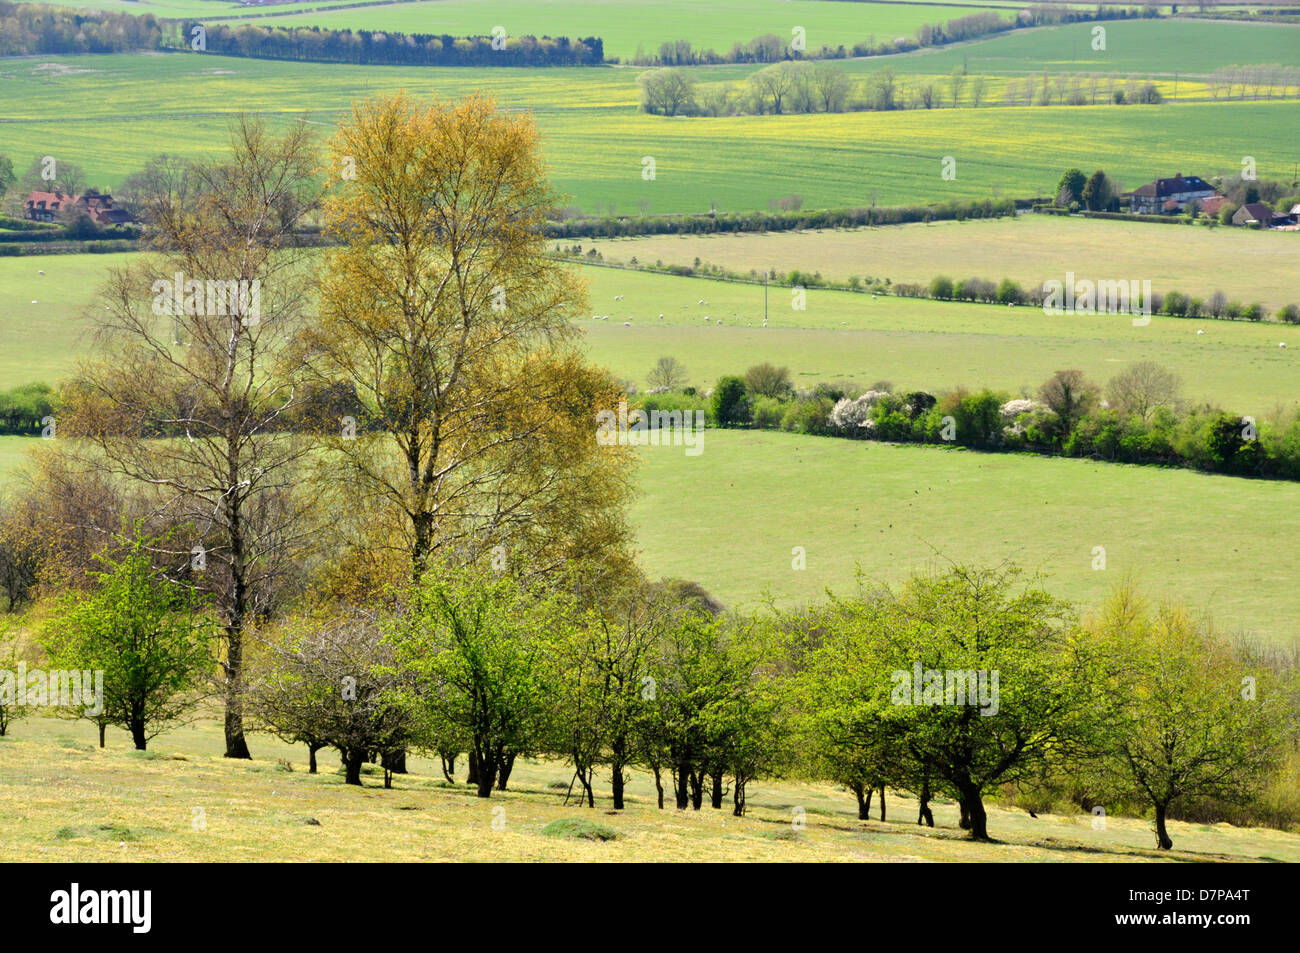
[1173, 196]
[48, 206]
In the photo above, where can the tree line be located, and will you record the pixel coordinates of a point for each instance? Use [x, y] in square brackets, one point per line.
[962, 684]
[30, 29]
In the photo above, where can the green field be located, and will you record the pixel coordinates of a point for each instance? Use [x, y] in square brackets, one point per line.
[1028, 248]
[182, 801]
[595, 138]
[909, 342]
[730, 517]
[1139, 47]
[628, 25]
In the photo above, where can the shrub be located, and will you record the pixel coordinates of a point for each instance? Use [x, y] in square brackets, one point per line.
[767, 412]
[767, 380]
[941, 288]
[811, 416]
[730, 403]
[1290, 314]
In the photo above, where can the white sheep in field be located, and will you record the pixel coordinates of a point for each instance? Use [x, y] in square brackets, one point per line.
[1200, 332]
[627, 324]
[1281, 343]
[618, 297]
[41, 272]
[702, 301]
[706, 317]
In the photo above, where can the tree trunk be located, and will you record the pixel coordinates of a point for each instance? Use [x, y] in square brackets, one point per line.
[616, 785]
[311, 757]
[487, 774]
[681, 786]
[882, 804]
[964, 821]
[738, 798]
[697, 788]
[503, 771]
[1163, 840]
[473, 769]
[659, 786]
[448, 766]
[715, 790]
[864, 804]
[618, 752]
[137, 734]
[102, 726]
[236, 745]
[353, 759]
[973, 807]
[924, 814]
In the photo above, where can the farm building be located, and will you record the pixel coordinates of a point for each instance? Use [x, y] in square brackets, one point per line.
[1155, 197]
[46, 206]
[1255, 213]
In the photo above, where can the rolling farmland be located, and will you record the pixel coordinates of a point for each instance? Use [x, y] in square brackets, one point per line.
[595, 137]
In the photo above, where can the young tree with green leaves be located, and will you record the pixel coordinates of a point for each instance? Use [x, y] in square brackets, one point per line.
[1181, 717]
[474, 645]
[152, 638]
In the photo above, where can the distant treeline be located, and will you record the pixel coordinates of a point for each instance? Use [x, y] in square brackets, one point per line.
[779, 221]
[312, 44]
[28, 29]
[771, 48]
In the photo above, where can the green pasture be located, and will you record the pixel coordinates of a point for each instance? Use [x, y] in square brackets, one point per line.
[730, 518]
[840, 335]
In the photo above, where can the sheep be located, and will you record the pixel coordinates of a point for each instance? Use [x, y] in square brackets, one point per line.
[41, 272]
[1281, 343]
[661, 316]
[706, 317]
[1199, 331]
[627, 324]
[618, 297]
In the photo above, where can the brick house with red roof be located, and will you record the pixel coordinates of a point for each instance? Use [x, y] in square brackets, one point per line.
[47, 206]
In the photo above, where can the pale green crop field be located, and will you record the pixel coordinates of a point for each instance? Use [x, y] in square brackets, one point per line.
[109, 114]
[730, 517]
[1246, 264]
[911, 343]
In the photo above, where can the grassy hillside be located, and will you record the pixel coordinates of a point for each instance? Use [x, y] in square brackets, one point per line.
[182, 801]
[912, 343]
[1029, 249]
[104, 113]
[729, 518]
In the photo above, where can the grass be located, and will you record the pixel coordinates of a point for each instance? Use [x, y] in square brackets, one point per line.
[1028, 248]
[911, 343]
[98, 805]
[730, 518]
[111, 119]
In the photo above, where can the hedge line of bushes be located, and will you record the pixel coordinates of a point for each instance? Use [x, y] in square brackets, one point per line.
[1140, 419]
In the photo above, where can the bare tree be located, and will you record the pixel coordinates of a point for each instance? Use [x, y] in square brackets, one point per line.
[667, 373]
[1142, 388]
[201, 427]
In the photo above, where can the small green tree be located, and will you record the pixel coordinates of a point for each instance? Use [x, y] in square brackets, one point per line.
[730, 403]
[10, 708]
[151, 637]
[1182, 717]
[1070, 188]
[474, 644]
